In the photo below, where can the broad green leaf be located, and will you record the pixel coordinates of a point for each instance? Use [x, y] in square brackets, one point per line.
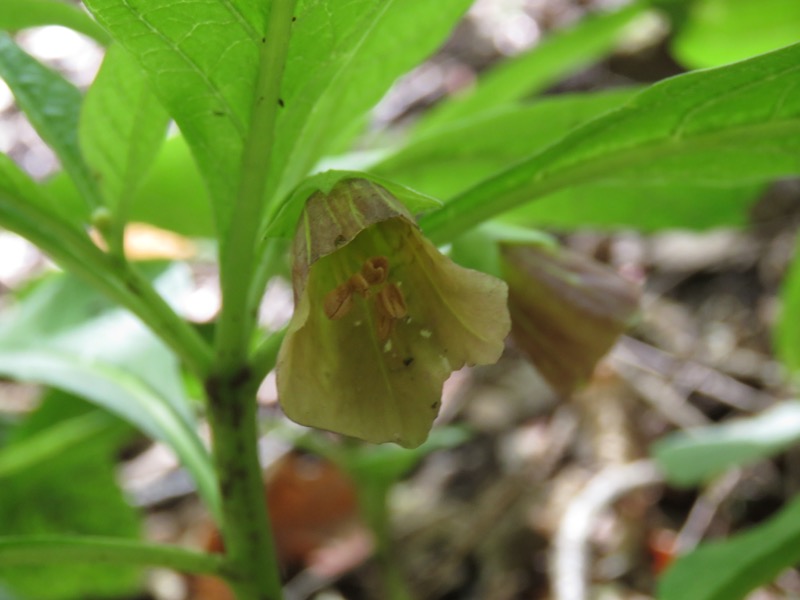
[74, 491]
[172, 195]
[723, 31]
[343, 57]
[786, 335]
[52, 105]
[121, 393]
[122, 126]
[697, 455]
[730, 569]
[734, 125]
[529, 73]
[641, 205]
[50, 442]
[21, 14]
[458, 155]
[202, 59]
[65, 335]
[63, 314]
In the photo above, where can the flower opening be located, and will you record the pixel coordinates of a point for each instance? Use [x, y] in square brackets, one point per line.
[381, 319]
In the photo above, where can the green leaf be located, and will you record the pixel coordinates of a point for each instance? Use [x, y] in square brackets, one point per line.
[21, 14]
[386, 464]
[341, 62]
[786, 336]
[52, 105]
[79, 549]
[531, 72]
[122, 126]
[202, 59]
[172, 195]
[730, 569]
[21, 211]
[641, 205]
[728, 126]
[50, 442]
[723, 31]
[73, 491]
[459, 155]
[66, 336]
[697, 455]
[16, 184]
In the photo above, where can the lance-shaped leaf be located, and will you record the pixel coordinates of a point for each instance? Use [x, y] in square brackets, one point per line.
[566, 310]
[381, 319]
[21, 14]
[727, 126]
[121, 128]
[202, 59]
[51, 104]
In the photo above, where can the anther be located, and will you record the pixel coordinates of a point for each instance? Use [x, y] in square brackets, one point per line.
[384, 324]
[338, 302]
[392, 302]
[375, 270]
[357, 283]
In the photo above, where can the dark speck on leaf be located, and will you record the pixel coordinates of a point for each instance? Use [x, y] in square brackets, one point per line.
[408, 361]
[280, 101]
[294, 19]
[340, 239]
[219, 113]
[263, 40]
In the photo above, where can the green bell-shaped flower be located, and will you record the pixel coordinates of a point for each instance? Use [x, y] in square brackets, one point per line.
[381, 319]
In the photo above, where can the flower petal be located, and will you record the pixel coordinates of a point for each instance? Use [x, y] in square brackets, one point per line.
[380, 323]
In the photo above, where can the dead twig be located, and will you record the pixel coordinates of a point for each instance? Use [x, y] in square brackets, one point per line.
[570, 562]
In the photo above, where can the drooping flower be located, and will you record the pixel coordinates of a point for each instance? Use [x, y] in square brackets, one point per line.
[567, 310]
[381, 319]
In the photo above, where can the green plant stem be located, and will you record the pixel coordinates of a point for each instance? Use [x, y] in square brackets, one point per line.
[74, 251]
[374, 497]
[238, 251]
[245, 526]
[231, 387]
[57, 549]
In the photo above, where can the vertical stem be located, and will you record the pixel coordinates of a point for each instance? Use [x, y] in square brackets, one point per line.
[238, 248]
[246, 529]
[231, 388]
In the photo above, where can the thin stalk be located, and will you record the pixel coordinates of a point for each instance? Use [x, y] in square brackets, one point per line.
[238, 254]
[63, 550]
[266, 354]
[374, 498]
